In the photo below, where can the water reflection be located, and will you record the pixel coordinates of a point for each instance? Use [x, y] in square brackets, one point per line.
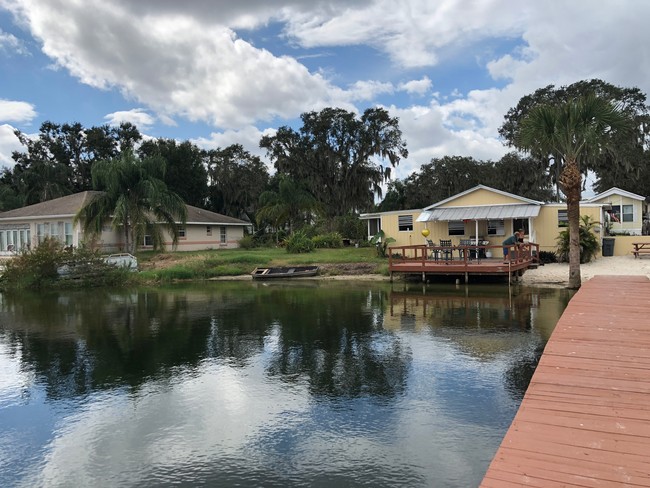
[248, 384]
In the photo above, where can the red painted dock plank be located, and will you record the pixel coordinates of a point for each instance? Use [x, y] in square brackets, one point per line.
[585, 418]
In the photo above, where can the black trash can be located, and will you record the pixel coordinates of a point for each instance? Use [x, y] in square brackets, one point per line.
[608, 246]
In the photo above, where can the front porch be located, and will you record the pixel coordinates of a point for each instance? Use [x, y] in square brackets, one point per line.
[462, 261]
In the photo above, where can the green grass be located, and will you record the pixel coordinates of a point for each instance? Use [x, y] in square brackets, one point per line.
[232, 262]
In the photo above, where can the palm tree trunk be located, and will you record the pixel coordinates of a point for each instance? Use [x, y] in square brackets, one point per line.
[571, 182]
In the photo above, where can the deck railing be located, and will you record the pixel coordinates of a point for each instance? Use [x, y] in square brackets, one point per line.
[517, 253]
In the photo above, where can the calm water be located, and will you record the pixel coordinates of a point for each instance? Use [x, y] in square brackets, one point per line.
[245, 384]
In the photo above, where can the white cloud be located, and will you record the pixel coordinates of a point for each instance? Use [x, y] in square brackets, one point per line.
[417, 87]
[136, 116]
[14, 111]
[10, 44]
[8, 143]
[249, 138]
[177, 66]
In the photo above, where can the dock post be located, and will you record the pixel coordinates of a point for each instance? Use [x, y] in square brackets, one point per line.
[424, 277]
[466, 277]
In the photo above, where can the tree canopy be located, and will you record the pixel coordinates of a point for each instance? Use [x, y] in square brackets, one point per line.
[621, 167]
[340, 158]
[449, 175]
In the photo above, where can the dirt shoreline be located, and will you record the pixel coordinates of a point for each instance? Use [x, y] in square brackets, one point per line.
[555, 274]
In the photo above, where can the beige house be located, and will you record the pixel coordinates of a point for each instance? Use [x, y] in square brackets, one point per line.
[28, 226]
[480, 213]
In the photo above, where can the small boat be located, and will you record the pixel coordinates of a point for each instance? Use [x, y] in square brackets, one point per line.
[284, 272]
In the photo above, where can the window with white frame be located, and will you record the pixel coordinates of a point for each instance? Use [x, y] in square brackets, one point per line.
[42, 231]
[208, 230]
[456, 228]
[405, 223]
[628, 213]
[562, 218]
[223, 235]
[68, 234]
[496, 227]
[181, 233]
[374, 226]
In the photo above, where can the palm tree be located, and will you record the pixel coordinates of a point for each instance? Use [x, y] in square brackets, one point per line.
[288, 206]
[135, 199]
[575, 131]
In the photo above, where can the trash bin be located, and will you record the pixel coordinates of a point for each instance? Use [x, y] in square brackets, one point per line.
[608, 246]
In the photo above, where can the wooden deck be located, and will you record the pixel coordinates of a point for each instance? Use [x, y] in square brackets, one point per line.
[585, 418]
[461, 261]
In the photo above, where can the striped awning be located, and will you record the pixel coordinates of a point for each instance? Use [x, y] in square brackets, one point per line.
[484, 212]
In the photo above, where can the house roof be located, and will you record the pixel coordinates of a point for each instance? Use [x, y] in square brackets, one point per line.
[483, 187]
[197, 215]
[69, 205]
[480, 212]
[615, 191]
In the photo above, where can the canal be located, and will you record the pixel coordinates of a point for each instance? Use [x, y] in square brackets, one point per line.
[252, 384]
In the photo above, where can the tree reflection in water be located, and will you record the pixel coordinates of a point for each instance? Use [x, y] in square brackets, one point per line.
[76, 342]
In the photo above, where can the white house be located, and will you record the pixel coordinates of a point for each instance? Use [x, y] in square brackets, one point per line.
[28, 226]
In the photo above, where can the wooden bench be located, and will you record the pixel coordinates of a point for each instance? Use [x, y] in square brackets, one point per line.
[640, 248]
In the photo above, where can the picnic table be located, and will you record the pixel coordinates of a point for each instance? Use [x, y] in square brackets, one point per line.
[640, 248]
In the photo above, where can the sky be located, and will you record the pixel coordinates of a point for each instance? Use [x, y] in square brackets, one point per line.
[218, 72]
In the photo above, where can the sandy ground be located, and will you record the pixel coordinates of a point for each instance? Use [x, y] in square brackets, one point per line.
[558, 273]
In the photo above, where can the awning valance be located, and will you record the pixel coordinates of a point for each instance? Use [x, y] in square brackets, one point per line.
[484, 212]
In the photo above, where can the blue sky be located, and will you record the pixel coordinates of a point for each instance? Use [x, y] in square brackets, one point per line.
[219, 72]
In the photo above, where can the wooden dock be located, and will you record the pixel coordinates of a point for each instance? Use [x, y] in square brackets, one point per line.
[585, 418]
[461, 261]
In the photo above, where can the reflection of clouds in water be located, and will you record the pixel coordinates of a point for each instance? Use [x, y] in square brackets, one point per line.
[116, 435]
[13, 379]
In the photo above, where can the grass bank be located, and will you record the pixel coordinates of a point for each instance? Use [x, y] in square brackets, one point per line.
[172, 266]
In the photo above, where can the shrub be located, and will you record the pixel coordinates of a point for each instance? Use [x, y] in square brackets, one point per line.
[332, 240]
[589, 243]
[298, 243]
[247, 242]
[547, 257]
[381, 242]
[50, 265]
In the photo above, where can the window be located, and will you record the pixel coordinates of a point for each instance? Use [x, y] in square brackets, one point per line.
[148, 241]
[208, 230]
[562, 218]
[54, 230]
[615, 213]
[68, 234]
[223, 235]
[374, 226]
[456, 228]
[405, 223]
[42, 231]
[496, 227]
[628, 213]
[181, 233]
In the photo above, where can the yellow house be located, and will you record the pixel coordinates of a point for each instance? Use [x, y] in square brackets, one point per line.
[480, 214]
[623, 211]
